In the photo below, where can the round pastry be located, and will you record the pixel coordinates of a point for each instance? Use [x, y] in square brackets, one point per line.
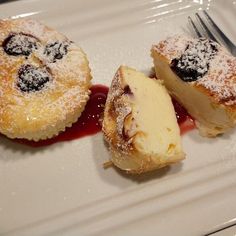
[44, 80]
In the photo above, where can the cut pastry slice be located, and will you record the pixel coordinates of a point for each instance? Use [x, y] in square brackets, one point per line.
[201, 75]
[139, 123]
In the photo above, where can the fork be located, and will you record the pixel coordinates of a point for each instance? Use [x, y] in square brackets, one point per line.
[223, 38]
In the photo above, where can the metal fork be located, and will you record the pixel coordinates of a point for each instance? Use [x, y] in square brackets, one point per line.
[223, 38]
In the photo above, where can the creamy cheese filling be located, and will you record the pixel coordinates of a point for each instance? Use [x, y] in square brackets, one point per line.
[154, 124]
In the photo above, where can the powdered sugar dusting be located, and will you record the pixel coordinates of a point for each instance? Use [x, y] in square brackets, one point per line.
[173, 46]
[117, 104]
[69, 65]
[194, 61]
[34, 27]
[219, 80]
[122, 112]
[32, 79]
[122, 108]
[20, 44]
[56, 50]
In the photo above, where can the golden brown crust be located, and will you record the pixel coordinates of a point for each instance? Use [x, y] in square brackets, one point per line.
[116, 110]
[41, 114]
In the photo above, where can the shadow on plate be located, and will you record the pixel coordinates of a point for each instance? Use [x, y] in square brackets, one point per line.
[149, 176]
[197, 138]
[11, 150]
[115, 176]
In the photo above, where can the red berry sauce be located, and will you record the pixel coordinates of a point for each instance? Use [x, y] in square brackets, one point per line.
[88, 124]
[185, 121]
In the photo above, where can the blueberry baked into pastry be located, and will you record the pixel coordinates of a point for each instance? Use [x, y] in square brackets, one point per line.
[44, 80]
[201, 75]
[139, 123]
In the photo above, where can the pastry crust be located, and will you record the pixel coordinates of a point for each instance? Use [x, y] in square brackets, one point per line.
[211, 99]
[33, 112]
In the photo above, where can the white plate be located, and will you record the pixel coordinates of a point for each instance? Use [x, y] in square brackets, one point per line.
[64, 190]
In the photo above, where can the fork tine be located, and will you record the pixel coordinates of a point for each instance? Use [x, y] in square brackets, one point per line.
[199, 35]
[210, 35]
[218, 30]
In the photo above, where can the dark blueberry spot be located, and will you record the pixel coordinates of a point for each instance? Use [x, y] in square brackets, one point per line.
[152, 74]
[56, 50]
[20, 44]
[127, 90]
[194, 63]
[31, 78]
[124, 134]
